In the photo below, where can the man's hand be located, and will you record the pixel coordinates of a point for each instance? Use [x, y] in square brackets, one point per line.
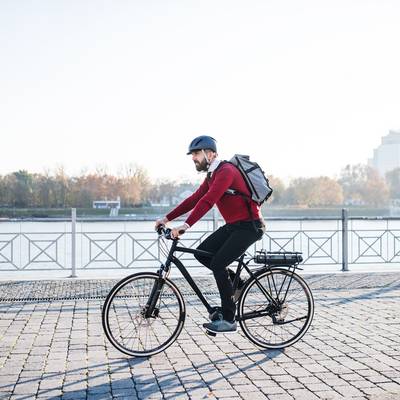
[161, 221]
[179, 230]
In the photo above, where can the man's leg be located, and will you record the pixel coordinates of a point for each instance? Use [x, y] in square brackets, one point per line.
[212, 244]
[234, 246]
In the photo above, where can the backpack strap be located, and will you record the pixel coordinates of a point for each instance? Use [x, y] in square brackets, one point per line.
[234, 192]
[247, 199]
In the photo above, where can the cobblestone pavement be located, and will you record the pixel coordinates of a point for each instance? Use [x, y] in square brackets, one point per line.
[54, 348]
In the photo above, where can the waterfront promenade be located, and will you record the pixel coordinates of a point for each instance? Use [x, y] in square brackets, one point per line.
[52, 347]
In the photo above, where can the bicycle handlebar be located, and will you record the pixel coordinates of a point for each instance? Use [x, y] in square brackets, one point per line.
[166, 232]
[163, 231]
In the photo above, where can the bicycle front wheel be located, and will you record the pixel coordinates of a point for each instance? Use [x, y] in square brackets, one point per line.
[281, 322]
[128, 325]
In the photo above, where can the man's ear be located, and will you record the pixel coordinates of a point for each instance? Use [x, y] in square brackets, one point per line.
[211, 154]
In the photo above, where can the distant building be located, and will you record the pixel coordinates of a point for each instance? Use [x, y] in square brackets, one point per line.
[182, 196]
[107, 203]
[168, 201]
[387, 155]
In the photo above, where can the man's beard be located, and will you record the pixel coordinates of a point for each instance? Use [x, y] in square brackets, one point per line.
[201, 166]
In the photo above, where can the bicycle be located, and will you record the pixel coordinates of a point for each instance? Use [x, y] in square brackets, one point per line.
[144, 313]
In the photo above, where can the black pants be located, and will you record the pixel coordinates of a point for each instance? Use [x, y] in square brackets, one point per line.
[227, 244]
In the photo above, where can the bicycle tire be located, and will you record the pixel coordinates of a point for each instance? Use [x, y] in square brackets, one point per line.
[273, 327]
[125, 324]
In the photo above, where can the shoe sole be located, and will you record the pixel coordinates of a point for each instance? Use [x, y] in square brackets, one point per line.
[216, 332]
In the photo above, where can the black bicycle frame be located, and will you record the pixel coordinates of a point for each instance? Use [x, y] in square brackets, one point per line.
[153, 298]
[192, 283]
[185, 272]
[156, 290]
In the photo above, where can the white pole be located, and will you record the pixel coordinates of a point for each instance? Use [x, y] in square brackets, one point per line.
[345, 240]
[215, 219]
[73, 243]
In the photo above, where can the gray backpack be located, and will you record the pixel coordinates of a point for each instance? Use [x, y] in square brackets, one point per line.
[254, 176]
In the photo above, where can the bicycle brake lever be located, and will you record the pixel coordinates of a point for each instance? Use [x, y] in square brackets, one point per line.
[167, 233]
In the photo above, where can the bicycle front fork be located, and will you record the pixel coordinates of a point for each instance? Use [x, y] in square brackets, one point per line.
[150, 308]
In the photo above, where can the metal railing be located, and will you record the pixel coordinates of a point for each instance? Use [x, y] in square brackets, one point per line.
[341, 242]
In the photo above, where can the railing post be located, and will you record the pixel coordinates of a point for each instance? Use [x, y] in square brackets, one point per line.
[345, 240]
[215, 219]
[73, 243]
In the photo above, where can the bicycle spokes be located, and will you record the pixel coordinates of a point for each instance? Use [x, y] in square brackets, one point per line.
[140, 321]
[281, 317]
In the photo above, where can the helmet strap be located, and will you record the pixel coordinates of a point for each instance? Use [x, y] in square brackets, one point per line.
[205, 156]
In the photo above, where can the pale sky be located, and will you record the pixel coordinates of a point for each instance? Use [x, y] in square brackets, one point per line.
[304, 87]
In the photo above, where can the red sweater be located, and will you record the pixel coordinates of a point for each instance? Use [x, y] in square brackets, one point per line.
[233, 208]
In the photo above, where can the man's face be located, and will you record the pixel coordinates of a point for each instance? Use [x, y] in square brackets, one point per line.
[199, 160]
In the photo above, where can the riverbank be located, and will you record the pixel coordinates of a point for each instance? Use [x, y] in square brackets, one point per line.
[143, 213]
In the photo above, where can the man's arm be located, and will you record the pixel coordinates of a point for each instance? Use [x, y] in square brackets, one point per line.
[189, 203]
[221, 183]
[185, 206]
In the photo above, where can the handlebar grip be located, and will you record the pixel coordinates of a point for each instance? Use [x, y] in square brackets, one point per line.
[160, 229]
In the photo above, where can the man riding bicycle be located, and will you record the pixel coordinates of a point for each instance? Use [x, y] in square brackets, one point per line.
[244, 223]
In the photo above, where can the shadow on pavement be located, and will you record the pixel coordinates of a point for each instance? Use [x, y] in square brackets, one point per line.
[167, 384]
[370, 294]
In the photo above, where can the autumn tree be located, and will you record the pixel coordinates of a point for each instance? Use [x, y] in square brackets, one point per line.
[358, 184]
[134, 185]
[393, 182]
[42, 187]
[278, 188]
[362, 184]
[60, 187]
[4, 193]
[316, 191]
[20, 184]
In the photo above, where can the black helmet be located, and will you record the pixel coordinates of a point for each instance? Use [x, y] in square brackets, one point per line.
[202, 143]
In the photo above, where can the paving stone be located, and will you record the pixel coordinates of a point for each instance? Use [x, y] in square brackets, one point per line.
[348, 391]
[391, 387]
[224, 393]
[330, 395]
[283, 396]
[288, 386]
[303, 394]
[76, 395]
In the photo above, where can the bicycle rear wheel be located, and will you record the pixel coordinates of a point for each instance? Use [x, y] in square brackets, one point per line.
[275, 325]
[125, 321]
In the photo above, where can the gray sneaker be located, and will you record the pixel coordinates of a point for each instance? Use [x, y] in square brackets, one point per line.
[221, 326]
[216, 314]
